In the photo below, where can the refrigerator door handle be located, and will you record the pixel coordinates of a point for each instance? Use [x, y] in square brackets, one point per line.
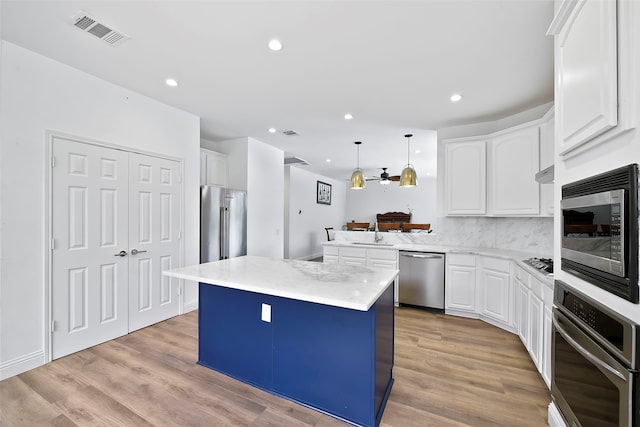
[223, 234]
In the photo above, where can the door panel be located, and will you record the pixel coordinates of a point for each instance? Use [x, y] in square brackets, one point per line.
[89, 226]
[154, 225]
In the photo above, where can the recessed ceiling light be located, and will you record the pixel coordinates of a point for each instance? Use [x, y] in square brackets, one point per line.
[418, 151]
[171, 82]
[348, 116]
[455, 97]
[272, 130]
[275, 44]
[328, 160]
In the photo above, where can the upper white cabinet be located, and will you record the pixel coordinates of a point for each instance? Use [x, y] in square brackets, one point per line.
[547, 156]
[593, 55]
[494, 175]
[213, 168]
[513, 164]
[465, 177]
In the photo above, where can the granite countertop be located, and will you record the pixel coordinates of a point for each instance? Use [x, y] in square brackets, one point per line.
[517, 256]
[351, 287]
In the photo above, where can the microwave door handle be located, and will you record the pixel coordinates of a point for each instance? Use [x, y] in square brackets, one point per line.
[586, 353]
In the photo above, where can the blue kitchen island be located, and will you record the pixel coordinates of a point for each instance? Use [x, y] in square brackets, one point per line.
[318, 334]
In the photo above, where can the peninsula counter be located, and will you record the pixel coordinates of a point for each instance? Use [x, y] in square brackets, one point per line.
[318, 334]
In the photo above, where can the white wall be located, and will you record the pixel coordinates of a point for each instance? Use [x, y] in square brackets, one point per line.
[258, 169]
[265, 199]
[363, 205]
[305, 219]
[39, 94]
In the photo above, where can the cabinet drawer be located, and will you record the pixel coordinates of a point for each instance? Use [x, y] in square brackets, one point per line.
[386, 254]
[381, 264]
[331, 250]
[523, 276]
[461, 259]
[497, 264]
[353, 252]
[330, 259]
[536, 288]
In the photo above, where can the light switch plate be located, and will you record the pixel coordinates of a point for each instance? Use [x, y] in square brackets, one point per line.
[266, 313]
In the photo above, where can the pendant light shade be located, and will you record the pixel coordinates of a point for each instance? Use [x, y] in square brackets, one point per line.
[408, 178]
[357, 178]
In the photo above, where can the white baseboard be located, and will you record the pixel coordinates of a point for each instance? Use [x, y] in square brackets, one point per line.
[21, 364]
[461, 313]
[190, 306]
[554, 418]
[498, 324]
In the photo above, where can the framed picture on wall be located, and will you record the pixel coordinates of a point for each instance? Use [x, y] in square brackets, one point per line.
[323, 193]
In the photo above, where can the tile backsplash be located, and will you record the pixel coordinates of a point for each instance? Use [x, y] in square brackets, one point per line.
[534, 235]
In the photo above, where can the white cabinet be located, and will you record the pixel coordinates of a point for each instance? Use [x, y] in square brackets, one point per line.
[522, 312]
[460, 285]
[363, 257]
[495, 288]
[547, 155]
[513, 163]
[213, 168]
[534, 300]
[587, 74]
[465, 177]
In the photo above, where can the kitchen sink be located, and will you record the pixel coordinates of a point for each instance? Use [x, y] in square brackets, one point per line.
[373, 244]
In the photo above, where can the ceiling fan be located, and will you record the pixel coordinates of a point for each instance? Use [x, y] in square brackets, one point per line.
[385, 178]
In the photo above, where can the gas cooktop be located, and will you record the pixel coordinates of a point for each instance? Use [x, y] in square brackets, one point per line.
[543, 264]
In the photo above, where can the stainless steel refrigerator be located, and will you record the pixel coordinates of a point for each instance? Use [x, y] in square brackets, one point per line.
[223, 223]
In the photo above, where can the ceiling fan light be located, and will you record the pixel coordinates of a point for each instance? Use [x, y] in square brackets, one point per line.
[357, 180]
[385, 181]
[408, 178]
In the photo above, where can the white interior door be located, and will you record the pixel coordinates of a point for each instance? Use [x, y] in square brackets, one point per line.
[154, 233]
[115, 228]
[89, 227]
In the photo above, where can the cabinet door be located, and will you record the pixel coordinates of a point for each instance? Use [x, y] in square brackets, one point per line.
[495, 289]
[536, 316]
[213, 168]
[461, 288]
[547, 147]
[514, 162]
[465, 177]
[587, 82]
[546, 346]
[522, 304]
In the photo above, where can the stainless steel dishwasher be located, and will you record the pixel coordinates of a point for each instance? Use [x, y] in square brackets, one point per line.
[421, 280]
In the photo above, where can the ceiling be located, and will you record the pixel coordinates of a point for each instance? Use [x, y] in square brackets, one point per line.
[391, 64]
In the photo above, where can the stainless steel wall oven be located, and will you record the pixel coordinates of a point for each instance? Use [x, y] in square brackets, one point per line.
[600, 231]
[595, 379]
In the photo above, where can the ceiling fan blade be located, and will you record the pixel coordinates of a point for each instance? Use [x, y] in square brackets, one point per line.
[394, 178]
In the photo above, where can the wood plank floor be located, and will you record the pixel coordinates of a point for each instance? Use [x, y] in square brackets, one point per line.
[449, 371]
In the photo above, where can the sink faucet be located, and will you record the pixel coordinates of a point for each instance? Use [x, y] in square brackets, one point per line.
[377, 238]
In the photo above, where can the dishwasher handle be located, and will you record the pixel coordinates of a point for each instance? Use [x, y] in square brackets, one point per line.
[421, 255]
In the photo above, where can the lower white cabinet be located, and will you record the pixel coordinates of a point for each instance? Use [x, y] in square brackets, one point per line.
[460, 285]
[496, 295]
[534, 300]
[363, 257]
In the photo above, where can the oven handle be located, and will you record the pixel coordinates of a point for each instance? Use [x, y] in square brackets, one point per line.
[586, 353]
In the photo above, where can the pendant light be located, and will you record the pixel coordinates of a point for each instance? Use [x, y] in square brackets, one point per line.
[357, 178]
[408, 178]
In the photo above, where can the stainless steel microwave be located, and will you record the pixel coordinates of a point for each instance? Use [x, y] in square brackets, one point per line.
[600, 231]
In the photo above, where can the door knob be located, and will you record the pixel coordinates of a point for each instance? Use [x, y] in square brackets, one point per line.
[135, 252]
[122, 253]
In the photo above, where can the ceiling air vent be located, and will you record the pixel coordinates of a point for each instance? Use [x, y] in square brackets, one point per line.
[91, 25]
[290, 132]
[294, 161]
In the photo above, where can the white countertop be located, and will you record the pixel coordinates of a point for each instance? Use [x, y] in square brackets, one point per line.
[351, 287]
[517, 256]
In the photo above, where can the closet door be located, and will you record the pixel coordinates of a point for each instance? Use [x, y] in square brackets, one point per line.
[89, 227]
[154, 239]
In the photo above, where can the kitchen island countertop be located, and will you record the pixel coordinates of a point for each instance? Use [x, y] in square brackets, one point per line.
[344, 286]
